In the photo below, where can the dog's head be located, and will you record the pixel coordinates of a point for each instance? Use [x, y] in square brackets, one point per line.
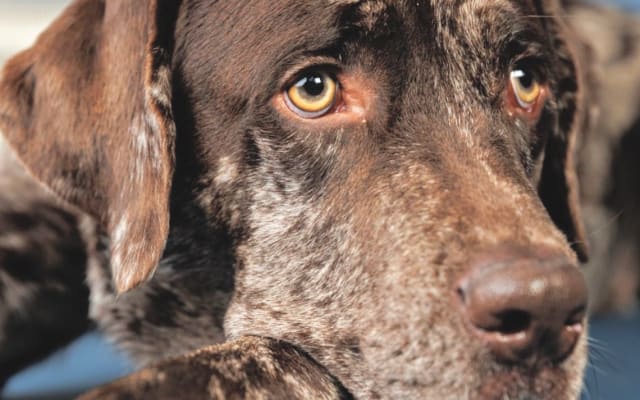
[396, 176]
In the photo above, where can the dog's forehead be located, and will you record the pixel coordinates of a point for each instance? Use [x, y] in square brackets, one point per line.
[461, 9]
[464, 10]
[295, 21]
[262, 38]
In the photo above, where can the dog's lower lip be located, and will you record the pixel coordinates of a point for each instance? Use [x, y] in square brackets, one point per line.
[519, 384]
[505, 385]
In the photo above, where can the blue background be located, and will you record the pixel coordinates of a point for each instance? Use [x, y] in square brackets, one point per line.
[613, 372]
[630, 4]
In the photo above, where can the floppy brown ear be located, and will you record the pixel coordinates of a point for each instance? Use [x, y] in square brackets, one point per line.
[88, 111]
[558, 185]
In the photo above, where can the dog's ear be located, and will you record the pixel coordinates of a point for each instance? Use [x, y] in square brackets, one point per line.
[558, 185]
[88, 111]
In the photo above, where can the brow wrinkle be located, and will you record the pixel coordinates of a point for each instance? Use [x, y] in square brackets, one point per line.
[344, 2]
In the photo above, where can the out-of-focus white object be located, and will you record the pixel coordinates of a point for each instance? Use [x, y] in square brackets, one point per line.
[22, 21]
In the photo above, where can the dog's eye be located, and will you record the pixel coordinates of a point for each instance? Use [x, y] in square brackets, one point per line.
[313, 95]
[526, 88]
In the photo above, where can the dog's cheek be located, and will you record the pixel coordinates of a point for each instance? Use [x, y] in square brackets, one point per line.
[221, 192]
[303, 277]
[293, 278]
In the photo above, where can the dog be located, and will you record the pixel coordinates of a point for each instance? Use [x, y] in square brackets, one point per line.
[362, 198]
[248, 368]
[607, 162]
[42, 269]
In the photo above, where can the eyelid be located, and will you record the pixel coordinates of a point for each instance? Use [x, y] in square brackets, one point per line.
[525, 46]
[536, 65]
[328, 64]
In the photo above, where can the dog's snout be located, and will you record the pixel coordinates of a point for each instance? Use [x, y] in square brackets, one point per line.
[527, 310]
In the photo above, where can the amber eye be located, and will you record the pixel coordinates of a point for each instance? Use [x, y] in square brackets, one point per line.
[526, 87]
[313, 95]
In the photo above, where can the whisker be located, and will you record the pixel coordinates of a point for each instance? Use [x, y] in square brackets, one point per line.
[608, 224]
[602, 359]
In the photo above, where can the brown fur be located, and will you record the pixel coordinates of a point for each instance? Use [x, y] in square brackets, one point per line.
[345, 239]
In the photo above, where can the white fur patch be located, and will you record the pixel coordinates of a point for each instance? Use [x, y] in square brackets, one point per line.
[119, 234]
[127, 250]
[14, 241]
[144, 131]
[124, 259]
[227, 171]
[160, 90]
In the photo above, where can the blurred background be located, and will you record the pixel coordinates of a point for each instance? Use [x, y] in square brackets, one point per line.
[614, 368]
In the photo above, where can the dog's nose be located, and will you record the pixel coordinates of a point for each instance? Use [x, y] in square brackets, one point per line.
[527, 310]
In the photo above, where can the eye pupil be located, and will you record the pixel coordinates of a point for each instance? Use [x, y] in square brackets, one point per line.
[313, 85]
[526, 80]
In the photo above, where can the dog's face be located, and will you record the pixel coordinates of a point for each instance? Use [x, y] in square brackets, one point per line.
[368, 158]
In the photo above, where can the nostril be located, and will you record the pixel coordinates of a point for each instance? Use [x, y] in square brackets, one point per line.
[461, 294]
[576, 317]
[513, 322]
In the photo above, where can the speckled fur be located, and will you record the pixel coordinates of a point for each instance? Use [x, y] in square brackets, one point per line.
[344, 242]
[42, 268]
[277, 371]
